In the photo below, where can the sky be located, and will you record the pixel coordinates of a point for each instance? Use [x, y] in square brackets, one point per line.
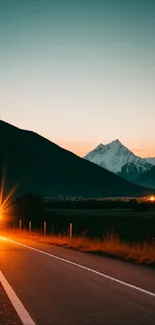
[80, 72]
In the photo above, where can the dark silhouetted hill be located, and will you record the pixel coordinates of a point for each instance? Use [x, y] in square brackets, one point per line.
[44, 168]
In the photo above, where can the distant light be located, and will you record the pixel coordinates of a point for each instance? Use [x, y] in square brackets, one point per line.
[152, 198]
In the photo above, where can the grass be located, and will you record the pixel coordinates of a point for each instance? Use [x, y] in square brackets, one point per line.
[111, 245]
[87, 213]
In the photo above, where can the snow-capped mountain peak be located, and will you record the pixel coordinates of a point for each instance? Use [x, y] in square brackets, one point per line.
[117, 158]
[115, 143]
[111, 156]
[100, 146]
[116, 146]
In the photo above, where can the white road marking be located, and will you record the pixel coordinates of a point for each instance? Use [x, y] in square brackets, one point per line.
[83, 267]
[18, 306]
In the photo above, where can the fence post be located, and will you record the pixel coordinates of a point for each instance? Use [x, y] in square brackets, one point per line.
[20, 224]
[71, 231]
[44, 228]
[30, 226]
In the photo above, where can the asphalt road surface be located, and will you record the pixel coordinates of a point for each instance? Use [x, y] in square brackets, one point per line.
[65, 287]
[8, 316]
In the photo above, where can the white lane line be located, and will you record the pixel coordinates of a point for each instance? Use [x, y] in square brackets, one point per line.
[18, 306]
[82, 267]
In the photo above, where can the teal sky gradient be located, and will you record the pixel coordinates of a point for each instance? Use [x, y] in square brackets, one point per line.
[80, 72]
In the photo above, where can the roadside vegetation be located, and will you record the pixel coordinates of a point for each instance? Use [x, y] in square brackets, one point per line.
[111, 245]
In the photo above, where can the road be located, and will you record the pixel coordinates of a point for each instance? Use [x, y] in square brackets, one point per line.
[65, 287]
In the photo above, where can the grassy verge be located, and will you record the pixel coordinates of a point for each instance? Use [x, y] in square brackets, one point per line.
[141, 253]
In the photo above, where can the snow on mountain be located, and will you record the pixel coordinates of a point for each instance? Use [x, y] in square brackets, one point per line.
[140, 164]
[132, 170]
[111, 156]
[147, 178]
[114, 155]
[150, 160]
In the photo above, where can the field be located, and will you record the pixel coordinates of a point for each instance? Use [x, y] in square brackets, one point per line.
[100, 213]
[127, 223]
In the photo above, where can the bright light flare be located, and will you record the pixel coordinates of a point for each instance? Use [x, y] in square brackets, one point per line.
[152, 198]
[6, 203]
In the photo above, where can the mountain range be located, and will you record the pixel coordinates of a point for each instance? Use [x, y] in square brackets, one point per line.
[117, 158]
[44, 168]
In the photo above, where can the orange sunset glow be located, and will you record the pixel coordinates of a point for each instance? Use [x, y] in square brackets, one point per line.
[82, 148]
